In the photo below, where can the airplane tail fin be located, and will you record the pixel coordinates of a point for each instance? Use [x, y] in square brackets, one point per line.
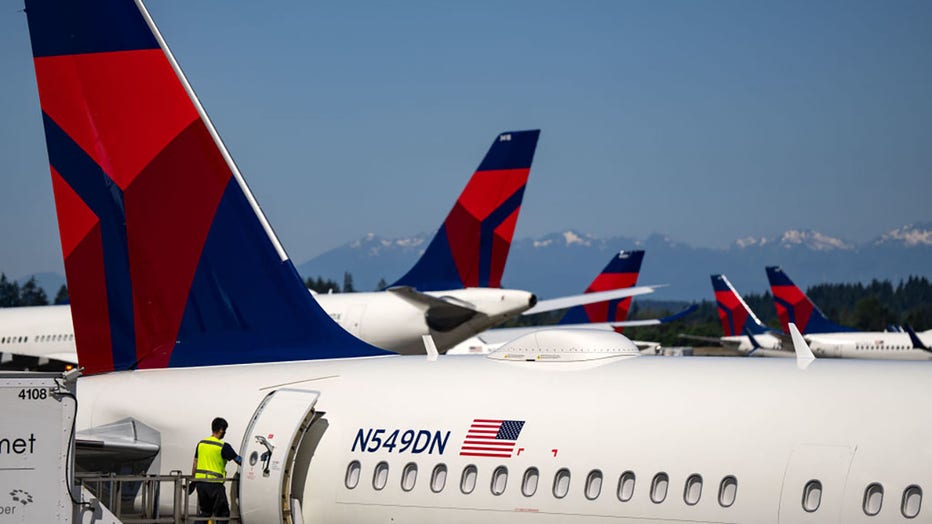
[915, 340]
[736, 316]
[471, 247]
[794, 306]
[622, 271]
[169, 260]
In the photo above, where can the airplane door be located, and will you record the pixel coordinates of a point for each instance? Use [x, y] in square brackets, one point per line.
[269, 448]
[814, 484]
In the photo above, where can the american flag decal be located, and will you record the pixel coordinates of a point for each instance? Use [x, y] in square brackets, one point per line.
[491, 438]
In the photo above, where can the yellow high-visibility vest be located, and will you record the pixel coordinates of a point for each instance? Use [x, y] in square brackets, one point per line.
[210, 464]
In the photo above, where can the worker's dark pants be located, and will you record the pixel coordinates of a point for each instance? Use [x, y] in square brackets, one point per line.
[212, 500]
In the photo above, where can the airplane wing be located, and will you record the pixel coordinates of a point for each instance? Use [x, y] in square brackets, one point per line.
[713, 340]
[655, 321]
[589, 298]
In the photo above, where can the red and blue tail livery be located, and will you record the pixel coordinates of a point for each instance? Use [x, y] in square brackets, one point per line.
[621, 272]
[168, 258]
[471, 247]
[794, 306]
[737, 318]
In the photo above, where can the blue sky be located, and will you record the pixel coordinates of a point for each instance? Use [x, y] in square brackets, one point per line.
[706, 121]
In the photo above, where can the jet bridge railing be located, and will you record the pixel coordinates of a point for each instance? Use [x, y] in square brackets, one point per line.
[135, 499]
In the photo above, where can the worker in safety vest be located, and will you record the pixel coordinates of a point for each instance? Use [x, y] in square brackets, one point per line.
[209, 471]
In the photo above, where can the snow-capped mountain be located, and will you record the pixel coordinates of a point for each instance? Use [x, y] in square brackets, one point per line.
[565, 262]
[910, 235]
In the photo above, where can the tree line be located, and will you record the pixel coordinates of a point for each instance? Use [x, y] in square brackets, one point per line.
[866, 307]
[29, 294]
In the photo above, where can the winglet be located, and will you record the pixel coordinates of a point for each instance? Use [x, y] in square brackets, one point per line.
[914, 338]
[471, 247]
[804, 355]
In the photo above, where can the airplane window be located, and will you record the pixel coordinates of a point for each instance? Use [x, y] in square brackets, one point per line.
[438, 479]
[380, 476]
[812, 496]
[658, 488]
[693, 490]
[529, 482]
[71, 336]
[912, 501]
[468, 481]
[561, 483]
[499, 480]
[594, 484]
[409, 476]
[873, 499]
[727, 491]
[352, 474]
[626, 486]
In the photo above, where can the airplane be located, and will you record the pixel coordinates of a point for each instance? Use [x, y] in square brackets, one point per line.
[454, 289]
[220, 324]
[621, 272]
[743, 331]
[38, 338]
[828, 339]
[451, 293]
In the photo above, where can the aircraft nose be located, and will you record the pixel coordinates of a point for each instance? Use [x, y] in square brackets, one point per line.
[532, 301]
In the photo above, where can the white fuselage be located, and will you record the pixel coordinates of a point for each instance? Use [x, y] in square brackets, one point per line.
[766, 424]
[770, 345]
[42, 332]
[383, 319]
[874, 345]
[391, 321]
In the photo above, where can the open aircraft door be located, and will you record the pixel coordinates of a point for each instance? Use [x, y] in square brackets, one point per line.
[270, 447]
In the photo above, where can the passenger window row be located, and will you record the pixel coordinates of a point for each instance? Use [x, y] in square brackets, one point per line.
[530, 480]
[872, 502]
[40, 338]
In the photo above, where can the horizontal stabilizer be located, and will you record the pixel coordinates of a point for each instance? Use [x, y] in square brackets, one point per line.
[712, 340]
[655, 321]
[589, 298]
[442, 314]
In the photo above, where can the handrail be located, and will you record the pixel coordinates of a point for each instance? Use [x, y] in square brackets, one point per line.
[142, 494]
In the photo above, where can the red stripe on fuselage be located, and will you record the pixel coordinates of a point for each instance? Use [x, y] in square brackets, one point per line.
[75, 219]
[169, 210]
[90, 312]
[121, 108]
